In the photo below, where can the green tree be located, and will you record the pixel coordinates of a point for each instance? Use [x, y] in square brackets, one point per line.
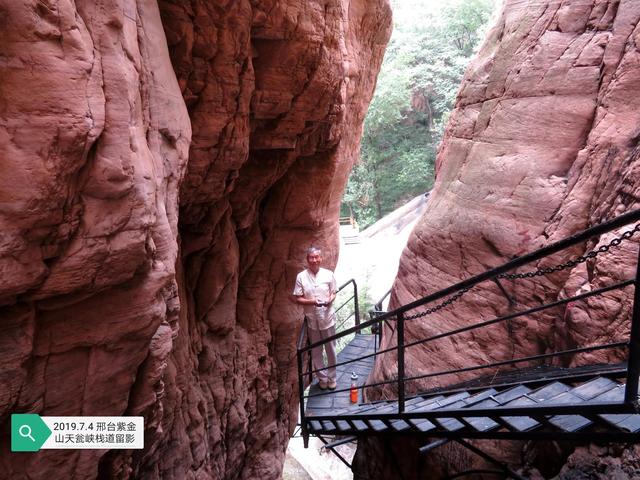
[429, 50]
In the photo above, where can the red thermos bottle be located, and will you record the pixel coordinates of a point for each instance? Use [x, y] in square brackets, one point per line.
[353, 393]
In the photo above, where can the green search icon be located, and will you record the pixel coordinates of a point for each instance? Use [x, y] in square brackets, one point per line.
[28, 432]
[25, 431]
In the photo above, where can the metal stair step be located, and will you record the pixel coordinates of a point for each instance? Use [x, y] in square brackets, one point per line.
[453, 424]
[458, 400]
[377, 425]
[343, 425]
[489, 399]
[548, 391]
[315, 425]
[400, 425]
[391, 407]
[453, 398]
[359, 425]
[423, 425]
[521, 423]
[427, 404]
[478, 397]
[511, 394]
[481, 424]
[433, 404]
[539, 395]
[616, 394]
[568, 423]
[629, 422]
[363, 425]
[328, 426]
[365, 408]
[450, 424]
[413, 402]
[594, 387]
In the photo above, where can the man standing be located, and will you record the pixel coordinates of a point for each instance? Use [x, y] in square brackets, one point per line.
[316, 290]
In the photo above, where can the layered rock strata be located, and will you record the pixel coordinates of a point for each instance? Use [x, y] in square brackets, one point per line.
[163, 169]
[543, 142]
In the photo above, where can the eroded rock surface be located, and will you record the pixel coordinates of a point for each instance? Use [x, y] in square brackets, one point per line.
[163, 169]
[543, 143]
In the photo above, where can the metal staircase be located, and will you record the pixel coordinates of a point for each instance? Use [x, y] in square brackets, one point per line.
[533, 399]
[518, 412]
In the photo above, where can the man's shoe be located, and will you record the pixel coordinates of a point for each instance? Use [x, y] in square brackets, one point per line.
[323, 385]
[332, 385]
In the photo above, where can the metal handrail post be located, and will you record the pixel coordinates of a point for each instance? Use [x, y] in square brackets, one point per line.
[633, 369]
[309, 356]
[355, 304]
[400, 320]
[303, 423]
[299, 354]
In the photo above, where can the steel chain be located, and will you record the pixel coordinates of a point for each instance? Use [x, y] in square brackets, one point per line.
[536, 273]
[572, 263]
[448, 301]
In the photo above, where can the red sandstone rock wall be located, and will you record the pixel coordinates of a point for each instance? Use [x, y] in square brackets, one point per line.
[543, 142]
[152, 226]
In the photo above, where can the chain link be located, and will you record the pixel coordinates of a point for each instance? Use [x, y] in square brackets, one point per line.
[572, 263]
[448, 301]
[536, 273]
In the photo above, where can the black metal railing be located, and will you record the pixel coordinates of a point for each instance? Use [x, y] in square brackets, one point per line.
[378, 307]
[342, 319]
[302, 339]
[448, 295]
[375, 312]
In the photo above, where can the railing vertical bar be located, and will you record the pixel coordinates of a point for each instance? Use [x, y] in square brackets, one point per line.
[309, 357]
[633, 369]
[303, 423]
[400, 328]
[355, 303]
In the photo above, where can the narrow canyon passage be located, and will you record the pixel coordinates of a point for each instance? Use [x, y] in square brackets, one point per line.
[165, 164]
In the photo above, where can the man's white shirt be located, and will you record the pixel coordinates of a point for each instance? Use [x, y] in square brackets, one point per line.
[320, 286]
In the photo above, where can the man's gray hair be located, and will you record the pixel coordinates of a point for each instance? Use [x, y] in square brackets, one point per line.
[312, 250]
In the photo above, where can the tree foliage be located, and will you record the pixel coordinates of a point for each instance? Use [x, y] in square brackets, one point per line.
[429, 50]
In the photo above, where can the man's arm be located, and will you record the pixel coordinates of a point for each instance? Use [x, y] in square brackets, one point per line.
[334, 290]
[304, 301]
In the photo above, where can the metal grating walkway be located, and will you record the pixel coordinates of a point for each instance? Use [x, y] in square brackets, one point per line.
[324, 402]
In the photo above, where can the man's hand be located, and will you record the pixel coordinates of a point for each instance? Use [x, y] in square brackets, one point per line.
[306, 301]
